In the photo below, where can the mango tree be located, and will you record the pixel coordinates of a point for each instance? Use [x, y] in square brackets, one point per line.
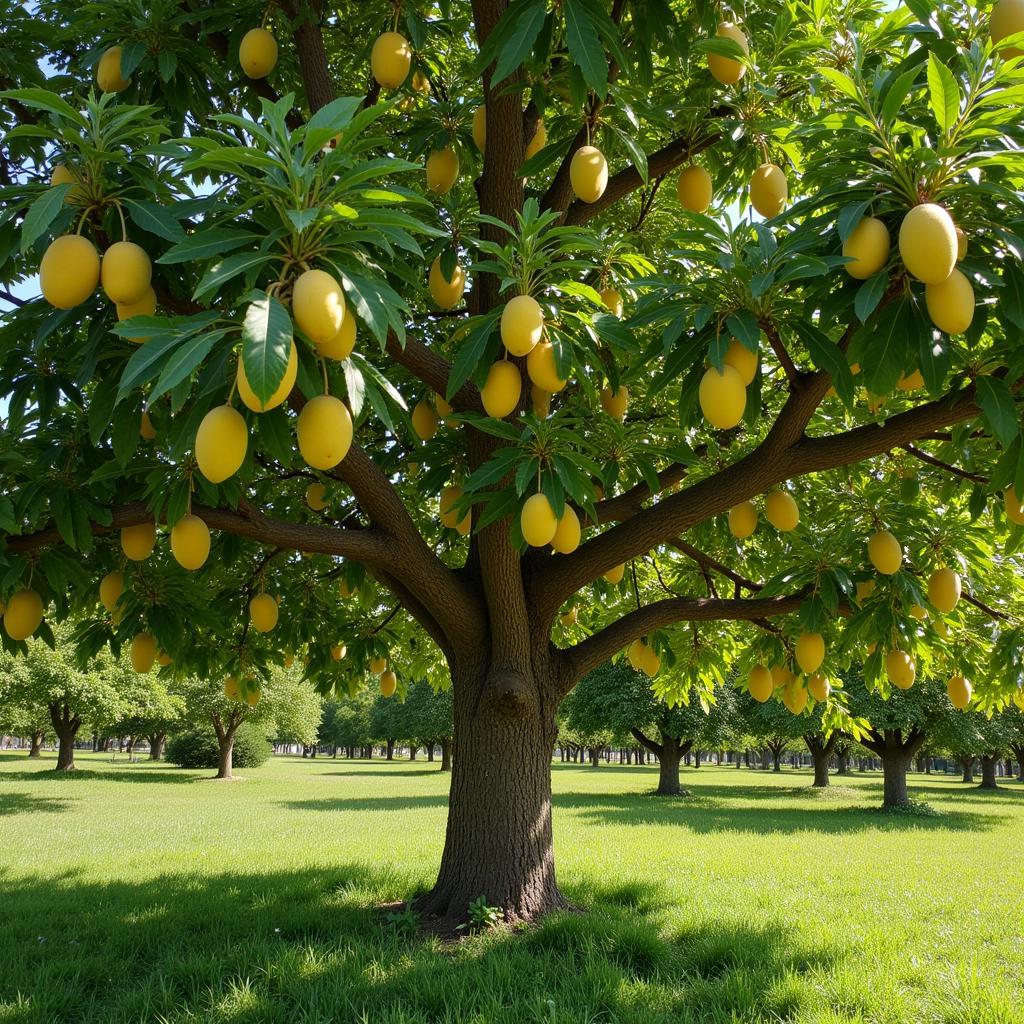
[549, 327]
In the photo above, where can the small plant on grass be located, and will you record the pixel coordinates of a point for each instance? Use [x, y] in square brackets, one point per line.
[405, 921]
[481, 917]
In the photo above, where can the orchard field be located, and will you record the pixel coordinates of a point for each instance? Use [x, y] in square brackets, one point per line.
[141, 892]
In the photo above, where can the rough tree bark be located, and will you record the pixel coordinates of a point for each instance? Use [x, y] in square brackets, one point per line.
[36, 747]
[65, 725]
[157, 740]
[842, 752]
[669, 753]
[896, 750]
[226, 730]
[446, 755]
[988, 771]
[821, 753]
[967, 766]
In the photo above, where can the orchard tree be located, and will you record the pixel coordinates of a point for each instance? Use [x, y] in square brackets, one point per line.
[150, 709]
[47, 680]
[427, 712]
[346, 723]
[30, 721]
[774, 727]
[619, 697]
[708, 306]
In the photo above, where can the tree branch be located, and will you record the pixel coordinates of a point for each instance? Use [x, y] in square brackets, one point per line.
[644, 740]
[433, 370]
[948, 467]
[707, 561]
[599, 647]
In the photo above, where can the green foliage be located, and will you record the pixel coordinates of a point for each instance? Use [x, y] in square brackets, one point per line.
[197, 748]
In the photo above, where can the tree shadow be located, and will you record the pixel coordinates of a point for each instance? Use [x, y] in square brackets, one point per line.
[310, 944]
[19, 803]
[367, 803]
[721, 809]
[389, 774]
[164, 774]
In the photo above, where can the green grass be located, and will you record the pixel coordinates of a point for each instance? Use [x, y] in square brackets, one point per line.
[144, 893]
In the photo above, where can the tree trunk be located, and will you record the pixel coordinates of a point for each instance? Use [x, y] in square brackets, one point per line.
[595, 757]
[446, 755]
[967, 764]
[156, 745]
[412, 751]
[498, 838]
[65, 725]
[668, 765]
[1018, 753]
[842, 759]
[696, 758]
[430, 751]
[225, 743]
[894, 779]
[821, 760]
[36, 749]
[391, 750]
[988, 771]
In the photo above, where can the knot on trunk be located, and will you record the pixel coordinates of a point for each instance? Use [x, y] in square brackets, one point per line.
[509, 692]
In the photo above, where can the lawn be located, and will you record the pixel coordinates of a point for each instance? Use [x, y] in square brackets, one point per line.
[139, 892]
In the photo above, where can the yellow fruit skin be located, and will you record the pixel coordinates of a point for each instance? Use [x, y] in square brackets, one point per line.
[794, 696]
[911, 382]
[944, 590]
[962, 244]
[769, 190]
[919, 613]
[388, 683]
[163, 659]
[126, 272]
[342, 344]
[424, 420]
[190, 542]
[725, 69]
[538, 141]
[284, 389]
[868, 247]
[810, 652]
[588, 173]
[615, 403]
[1013, 507]
[69, 271]
[900, 669]
[263, 611]
[650, 663]
[503, 389]
[480, 127]
[378, 665]
[567, 533]
[927, 243]
[64, 176]
[315, 497]
[723, 397]
[111, 588]
[324, 431]
[743, 520]
[615, 574]
[143, 652]
[23, 614]
[146, 306]
[742, 360]
[782, 511]
[569, 618]
[391, 59]
[537, 521]
[634, 653]
[252, 697]
[612, 301]
[959, 691]
[540, 365]
[221, 443]
[257, 53]
[108, 72]
[865, 588]
[951, 303]
[442, 170]
[782, 675]
[338, 651]
[318, 305]
[522, 324]
[448, 515]
[446, 294]
[694, 189]
[760, 683]
[231, 688]
[819, 687]
[1006, 19]
[885, 552]
[137, 542]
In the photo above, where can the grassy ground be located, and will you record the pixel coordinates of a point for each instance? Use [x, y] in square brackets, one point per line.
[142, 893]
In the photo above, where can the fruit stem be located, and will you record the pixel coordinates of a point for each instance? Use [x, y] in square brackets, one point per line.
[120, 214]
[323, 368]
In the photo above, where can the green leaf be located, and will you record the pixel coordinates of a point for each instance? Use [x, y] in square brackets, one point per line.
[849, 217]
[528, 23]
[224, 270]
[155, 219]
[897, 94]
[43, 99]
[944, 93]
[997, 406]
[888, 339]
[206, 243]
[585, 47]
[826, 356]
[183, 361]
[635, 150]
[472, 351]
[266, 345]
[328, 121]
[869, 294]
[847, 86]
[42, 213]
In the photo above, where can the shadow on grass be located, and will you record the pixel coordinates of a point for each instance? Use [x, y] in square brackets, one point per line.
[389, 773]
[19, 803]
[164, 774]
[308, 945]
[721, 809]
[367, 803]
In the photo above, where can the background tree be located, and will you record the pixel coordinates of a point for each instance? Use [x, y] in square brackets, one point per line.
[773, 727]
[150, 710]
[429, 723]
[619, 698]
[28, 721]
[730, 370]
[47, 680]
[346, 723]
